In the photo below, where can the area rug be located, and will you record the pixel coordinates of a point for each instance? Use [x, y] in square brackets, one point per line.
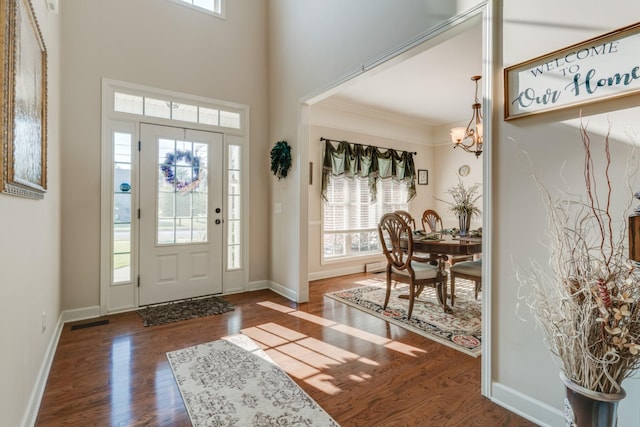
[184, 310]
[460, 329]
[232, 382]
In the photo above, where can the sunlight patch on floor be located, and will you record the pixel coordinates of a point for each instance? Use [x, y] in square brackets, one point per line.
[359, 333]
[313, 318]
[409, 350]
[323, 382]
[277, 307]
[309, 359]
[291, 365]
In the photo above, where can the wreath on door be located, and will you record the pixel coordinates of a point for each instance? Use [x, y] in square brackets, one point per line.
[281, 159]
[169, 172]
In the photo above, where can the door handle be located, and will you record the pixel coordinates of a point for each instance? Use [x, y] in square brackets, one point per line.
[218, 210]
[218, 221]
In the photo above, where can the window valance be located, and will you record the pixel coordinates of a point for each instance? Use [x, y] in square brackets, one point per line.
[356, 160]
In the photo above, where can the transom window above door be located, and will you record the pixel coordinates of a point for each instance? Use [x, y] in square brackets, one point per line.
[167, 108]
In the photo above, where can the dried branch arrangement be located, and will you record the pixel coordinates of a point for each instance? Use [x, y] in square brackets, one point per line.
[589, 308]
[465, 199]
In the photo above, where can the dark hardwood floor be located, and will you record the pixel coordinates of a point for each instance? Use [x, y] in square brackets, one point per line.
[362, 370]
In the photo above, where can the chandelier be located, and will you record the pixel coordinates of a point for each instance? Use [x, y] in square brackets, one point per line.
[470, 139]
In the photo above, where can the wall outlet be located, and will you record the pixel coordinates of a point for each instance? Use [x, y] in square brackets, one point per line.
[44, 322]
[52, 5]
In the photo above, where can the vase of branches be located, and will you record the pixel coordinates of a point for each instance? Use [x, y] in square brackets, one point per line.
[464, 204]
[589, 306]
[584, 407]
[464, 222]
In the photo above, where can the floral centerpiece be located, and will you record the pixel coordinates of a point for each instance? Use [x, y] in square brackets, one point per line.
[464, 203]
[589, 307]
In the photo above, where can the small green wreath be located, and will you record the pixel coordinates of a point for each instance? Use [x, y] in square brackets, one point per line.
[281, 159]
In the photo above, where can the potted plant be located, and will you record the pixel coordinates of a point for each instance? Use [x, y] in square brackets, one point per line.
[589, 306]
[464, 204]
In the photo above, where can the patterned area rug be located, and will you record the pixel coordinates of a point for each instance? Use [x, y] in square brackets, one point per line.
[232, 382]
[459, 329]
[183, 310]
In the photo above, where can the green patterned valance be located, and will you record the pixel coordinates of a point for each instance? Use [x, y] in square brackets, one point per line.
[356, 160]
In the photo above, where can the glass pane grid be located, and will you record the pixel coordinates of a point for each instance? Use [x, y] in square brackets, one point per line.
[350, 220]
[178, 110]
[121, 225]
[182, 193]
[233, 223]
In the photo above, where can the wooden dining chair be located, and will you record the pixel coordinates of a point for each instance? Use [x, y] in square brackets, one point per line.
[408, 218]
[470, 270]
[403, 266]
[431, 223]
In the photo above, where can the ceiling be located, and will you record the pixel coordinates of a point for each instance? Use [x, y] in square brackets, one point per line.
[433, 87]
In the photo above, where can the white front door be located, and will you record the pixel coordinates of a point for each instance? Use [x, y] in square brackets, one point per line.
[180, 213]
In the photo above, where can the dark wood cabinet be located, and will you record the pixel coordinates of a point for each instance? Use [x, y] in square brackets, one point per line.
[634, 237]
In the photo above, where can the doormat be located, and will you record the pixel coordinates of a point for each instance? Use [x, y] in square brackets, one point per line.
[233, 382]
[184, 310]
[460, 329]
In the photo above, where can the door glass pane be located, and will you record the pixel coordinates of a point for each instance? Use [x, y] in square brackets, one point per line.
[183, 231]
[182, 199]
[233, 210]
[121, 251]
[233, 254]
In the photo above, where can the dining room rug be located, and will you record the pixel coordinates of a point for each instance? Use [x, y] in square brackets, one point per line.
[232, 382]
[460, 329]
[192, 308]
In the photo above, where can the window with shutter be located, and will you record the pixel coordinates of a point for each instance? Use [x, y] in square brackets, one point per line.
[350, 220]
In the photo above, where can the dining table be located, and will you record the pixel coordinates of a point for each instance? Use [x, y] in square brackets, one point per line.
[447, 244]
[444, 245]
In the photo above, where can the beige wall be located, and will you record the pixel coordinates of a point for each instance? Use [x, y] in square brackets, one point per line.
[448, 161]
[528, 30]
[168, 46]
[30, 260]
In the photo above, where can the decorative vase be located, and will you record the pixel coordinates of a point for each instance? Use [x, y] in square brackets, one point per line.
[464, 221]
[587, 408]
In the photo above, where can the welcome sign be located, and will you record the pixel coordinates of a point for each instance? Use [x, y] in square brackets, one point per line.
[600, 68]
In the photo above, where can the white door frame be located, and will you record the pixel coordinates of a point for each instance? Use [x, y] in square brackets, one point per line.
[124, 296]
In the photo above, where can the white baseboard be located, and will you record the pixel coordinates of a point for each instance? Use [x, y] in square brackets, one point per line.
[258, 285]
[288, 293]
[336, 272]
[523, 405]
[81, 314]
[31, 414]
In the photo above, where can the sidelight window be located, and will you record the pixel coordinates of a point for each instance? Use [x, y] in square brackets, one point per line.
[121, 251]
